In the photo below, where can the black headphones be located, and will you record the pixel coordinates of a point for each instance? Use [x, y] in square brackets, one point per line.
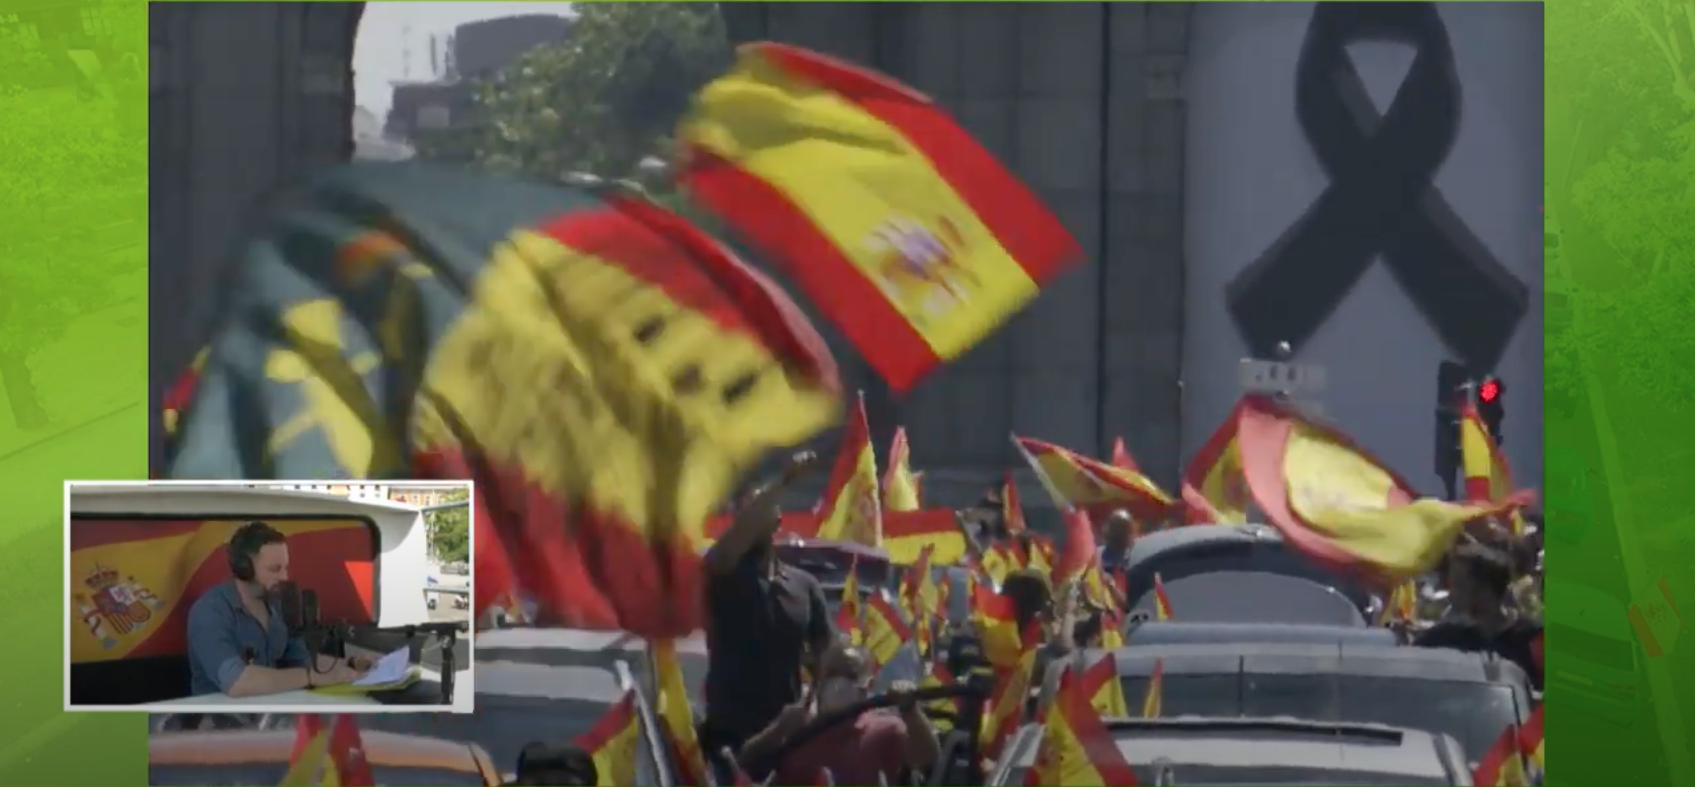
[245, 545]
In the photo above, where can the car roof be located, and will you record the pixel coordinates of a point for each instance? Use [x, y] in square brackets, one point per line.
[235, 747]
[1281, 743]
[1344, 659]
[1177, 632]
[1190, 536]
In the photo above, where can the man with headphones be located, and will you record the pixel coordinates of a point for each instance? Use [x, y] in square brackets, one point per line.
[238, 641]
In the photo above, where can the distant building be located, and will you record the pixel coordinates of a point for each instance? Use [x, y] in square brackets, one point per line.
[478, 51]
[370, 143]
[420, 495]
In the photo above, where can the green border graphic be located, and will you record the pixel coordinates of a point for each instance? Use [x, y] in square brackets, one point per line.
[1621, 399]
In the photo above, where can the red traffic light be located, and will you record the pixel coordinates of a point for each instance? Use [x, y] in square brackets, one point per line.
[1489, 391]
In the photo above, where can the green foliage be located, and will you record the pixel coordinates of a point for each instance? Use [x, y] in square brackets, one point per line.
[449, 531]
[601, 102]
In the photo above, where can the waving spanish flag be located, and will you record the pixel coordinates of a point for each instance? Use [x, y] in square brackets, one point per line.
[886, 630]
[1088, 483]
[1530, 741]
[1105, 691]
[996, 621]
[1011, 693]
[602, 370]
[1214, 489]
[1012, 509]
[850, 614]
[1153, 701]
[1503, 764]
[1339, 505]
[671, 705]
[1487, 476]
[900, 487]
[180, 395]
[613, 742]
[1079, 552]
[901, 227]
[333, 757]
[908, 534]
[852, 509]
[1121, 457]
[1077, 748]
[1162, 602]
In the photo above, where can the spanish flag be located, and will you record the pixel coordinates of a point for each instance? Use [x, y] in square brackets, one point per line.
[1153, 701]
[1214, 489]
[1077, 748]
[602, 370]
[1401, 606]
[1090, 483]
[1487, 476]
[997, 624]
[918, 594]
[613, 742]
[1012, 510]
[1530, 741]
[900, 487]
[1079, 552]
[1162, 602]
[1339, 505]
[309, 760]
[180, 395]
[902, 228]
[997, 561]
[1112, 631]
[852, 509]
[1105, 691]
[671, 705]
[1121, 458]
[1011, 692]
[936, 676]
[1503, 764]
[851, 613]
[886, 630]
[907, 534]
[334, 757]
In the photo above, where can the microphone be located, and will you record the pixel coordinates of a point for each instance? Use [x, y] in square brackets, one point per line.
[289, 594]
[309, 608]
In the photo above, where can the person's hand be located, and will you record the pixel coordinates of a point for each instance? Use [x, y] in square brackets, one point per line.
[799, 464]
[361, 663]
[337, 675]
[904, 692]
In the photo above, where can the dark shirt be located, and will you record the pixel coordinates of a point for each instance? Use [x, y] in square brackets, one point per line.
[1515, 643]
[1113, 559]
[759, 632]
[223, 638]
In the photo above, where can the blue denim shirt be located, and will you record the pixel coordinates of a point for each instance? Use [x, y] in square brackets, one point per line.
[223, 638]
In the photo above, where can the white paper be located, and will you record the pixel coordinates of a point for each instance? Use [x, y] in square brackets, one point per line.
[388, 669]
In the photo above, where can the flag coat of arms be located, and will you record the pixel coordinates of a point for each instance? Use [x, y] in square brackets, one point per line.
[603, 371]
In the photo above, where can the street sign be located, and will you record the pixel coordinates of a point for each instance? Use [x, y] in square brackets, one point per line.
[1276, 377]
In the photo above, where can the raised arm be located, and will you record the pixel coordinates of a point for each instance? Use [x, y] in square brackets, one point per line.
[758, 517]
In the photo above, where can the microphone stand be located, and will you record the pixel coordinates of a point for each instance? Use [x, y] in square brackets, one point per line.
[448, 635]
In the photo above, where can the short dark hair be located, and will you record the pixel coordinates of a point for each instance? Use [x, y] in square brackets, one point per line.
[254, 536]
[1029, 590]
[1491, 568]
[565, 766]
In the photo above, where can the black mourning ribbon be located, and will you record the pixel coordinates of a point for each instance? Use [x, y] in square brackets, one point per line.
[1381, 199]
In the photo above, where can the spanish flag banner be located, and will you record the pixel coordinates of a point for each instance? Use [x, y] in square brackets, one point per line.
[1090, 483]
[850, 614]
[919, 594]
[1530, 741]
[1487, 476]
[310, 759]
[1011, 692]
[1079, 552]
[1162, 602]
[1121, 457]
[901, 227]
[602, 370]
[134, 580]
[1153, 700]
[1012, 509]
[1214, 489]
[1077, 748]
[907, 534]
[177, 398]
[851, 509]
[1341, 506]
[1503, 764]
[886, 630]
[671, 703]
[1112, 631]
[1401, 606]
[936, 676]
[997, 625]
[334, 757]
[997, 561]
[1105, 691]
[900, 486]
[613, 742]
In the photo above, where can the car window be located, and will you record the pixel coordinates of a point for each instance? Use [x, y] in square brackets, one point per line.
[1473, 713]
[267, 774]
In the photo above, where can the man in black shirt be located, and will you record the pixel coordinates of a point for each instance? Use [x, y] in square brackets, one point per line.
[1478, 578]
[766, 621]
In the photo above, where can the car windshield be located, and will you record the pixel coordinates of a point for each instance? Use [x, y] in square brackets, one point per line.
[1473, 713]
[267, 774]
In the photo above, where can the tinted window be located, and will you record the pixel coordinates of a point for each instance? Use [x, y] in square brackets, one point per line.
[267, 774]
[1473, 713]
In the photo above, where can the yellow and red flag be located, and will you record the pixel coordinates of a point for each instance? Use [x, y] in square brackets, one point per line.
[1079, 552]
[1153, 701]
[907, 534]
[904, 230]
[937, 675]
[1530, 741]
[1503, 764]
[1090, 483]
[1341, 506]
[613, 742]
[1011, 692]
[1112, 630]
[886, 630]
[852, 509]
[918, 595]
[133, 581]
[1487, 476]
[1077, 748]
[671, 705]
[1105, 691]
[996, 622]
[900, 486]
[997, 561]
[1162, 602]
[603, 370]
[850, 614]
[1121, 457]
[1401, 606]
[333, 757]
[309, 760]
[1038, 552]
[1012, 510]
[180, 395]
[1214, 489]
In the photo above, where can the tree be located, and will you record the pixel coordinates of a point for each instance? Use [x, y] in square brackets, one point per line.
[449, 530]
[599, 103]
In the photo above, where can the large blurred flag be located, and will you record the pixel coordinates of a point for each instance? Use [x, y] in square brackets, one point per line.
[852, 508]
[1487, 476]
[671, 703]
[1091, 483]
[1214, 489]
[1077, 748]
[900, 487]
[1341, 506]
[602, 370]
[133, 581]
[612, 742]
[901, 227]
[907, 534]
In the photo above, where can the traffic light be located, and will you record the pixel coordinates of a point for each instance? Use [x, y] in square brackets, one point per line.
[1489, 394]
[1451, 381]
